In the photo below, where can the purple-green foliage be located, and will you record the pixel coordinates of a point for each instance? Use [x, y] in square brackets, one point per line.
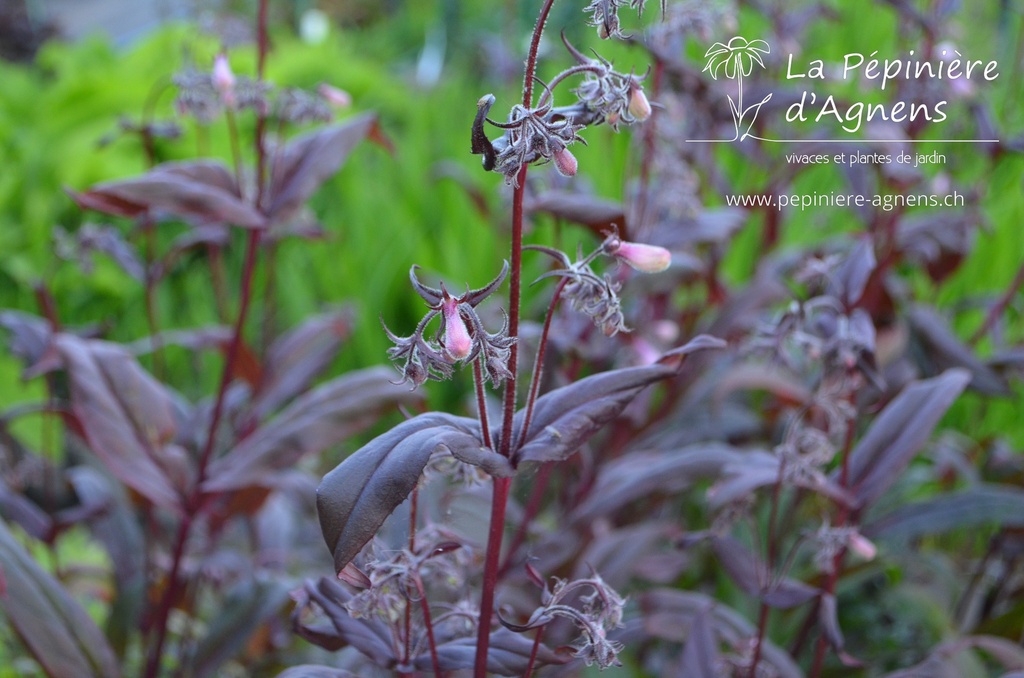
[696, 515]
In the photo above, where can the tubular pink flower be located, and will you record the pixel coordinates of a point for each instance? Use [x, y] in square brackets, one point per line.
[565, 163]
[645, 258]
[862, 546]
[338, 98]
[639, 106]
[457, 342]
[224, 78]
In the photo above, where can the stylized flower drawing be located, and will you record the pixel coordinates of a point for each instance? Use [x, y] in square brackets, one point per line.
[736, 59]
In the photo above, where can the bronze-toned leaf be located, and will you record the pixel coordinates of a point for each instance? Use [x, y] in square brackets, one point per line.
[299, 168]
[902, 428]
[567, 417]
[54, 627]
[355, 498]
[126, 416]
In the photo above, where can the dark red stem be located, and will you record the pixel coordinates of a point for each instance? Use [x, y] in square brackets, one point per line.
[538, 365]
[999, 307]
[499, 498]
[428, 622]
[193, 503]
[533, 652]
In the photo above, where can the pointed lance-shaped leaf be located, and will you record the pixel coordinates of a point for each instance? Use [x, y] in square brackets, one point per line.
[567, 417]
[125, 415]
[355, 498]
[200, 192]
[902, 428]
[370, 636]
[700, 657]
[974, 508]
[298, 357]
[58, 633]
[312, 423]
[508, 654]
[299, 168]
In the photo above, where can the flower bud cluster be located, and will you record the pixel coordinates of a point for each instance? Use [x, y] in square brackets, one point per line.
[831, 541]
[535, 135]
[598, 296]
[461, 337]
[595, 613]
[399, 578]
[544, 133]
[605, 15]
[607, 95]
[206, 95]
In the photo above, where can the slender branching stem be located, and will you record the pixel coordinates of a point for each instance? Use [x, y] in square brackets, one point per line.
[837, 562]
[998, 308]
[538, 365]
[428, 623]
[771, 555]
[499, 498]
[567, 73]
[481, 404]
[533, 652]
[195, 499]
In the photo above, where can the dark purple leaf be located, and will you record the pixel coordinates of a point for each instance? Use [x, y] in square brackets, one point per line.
[246, 606]
[943, 350]
[851, 277]
[638, 475]
[357, 496]
[567, 417]
[189, 191]
[370, 636]
[752, 575]
[29, 335]
[618, 554]
[312, 671]
[751, 376]
[210, 172]
[298, 357]
[126, 415]
[507, 655]
[828, 617]
[216, 337]
[710, 226]
[700, 654]
[114, 522]
[669, 612]
[977, 507]
[91, 238]
[902, 428]
[757, 469]
[300, 167]
[55, 629]
[597, 214]
[17, 508]
[310, 424]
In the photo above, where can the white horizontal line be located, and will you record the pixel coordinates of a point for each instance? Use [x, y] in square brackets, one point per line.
[850, 141]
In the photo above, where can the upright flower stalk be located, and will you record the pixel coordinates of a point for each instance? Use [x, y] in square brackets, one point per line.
[534, 132]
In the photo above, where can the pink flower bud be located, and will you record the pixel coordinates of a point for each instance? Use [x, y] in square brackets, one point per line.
[645, 258]
[565, 163]
[457, 342]
[639, 106]
[862, 546]
[224, 78]
[338, 98]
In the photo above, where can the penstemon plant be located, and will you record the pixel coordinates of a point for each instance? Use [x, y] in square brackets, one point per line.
[356, 498]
